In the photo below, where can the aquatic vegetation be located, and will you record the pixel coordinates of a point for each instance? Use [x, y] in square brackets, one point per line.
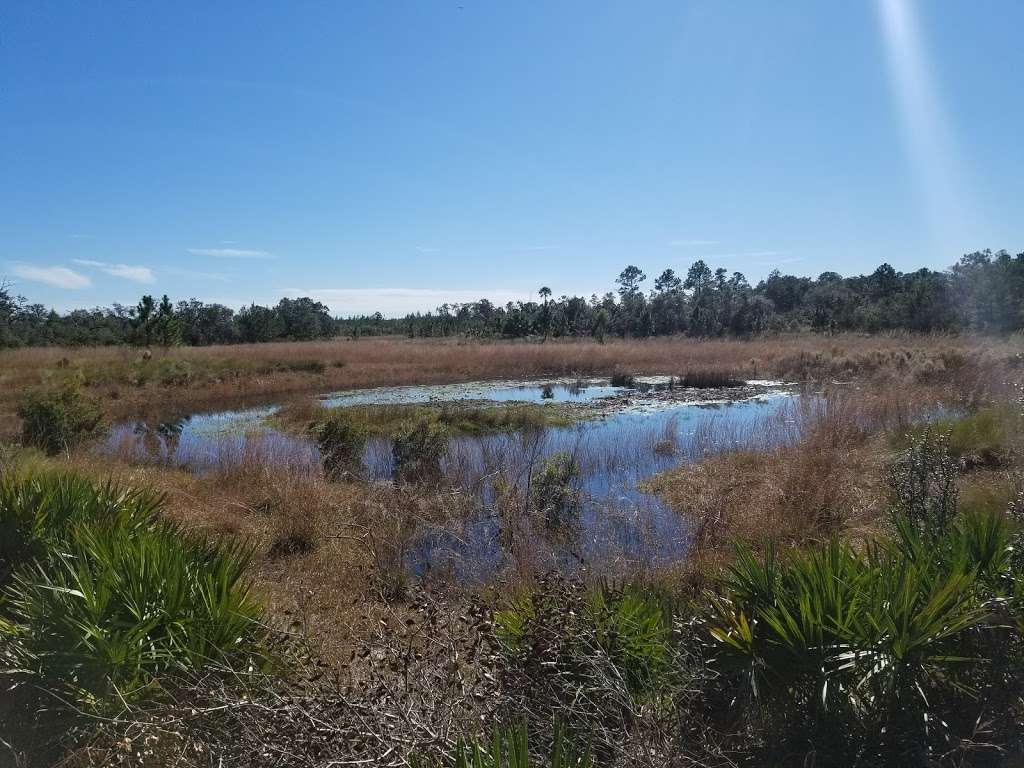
[620, 379]
[554, 490]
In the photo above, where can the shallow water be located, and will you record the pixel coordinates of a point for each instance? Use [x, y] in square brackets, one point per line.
[499, 392]
[616, 528]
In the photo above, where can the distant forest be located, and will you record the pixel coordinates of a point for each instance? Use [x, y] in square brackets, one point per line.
[983, 292]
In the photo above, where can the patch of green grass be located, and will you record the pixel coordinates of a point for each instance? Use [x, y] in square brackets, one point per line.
[980, 439]
[510, 748]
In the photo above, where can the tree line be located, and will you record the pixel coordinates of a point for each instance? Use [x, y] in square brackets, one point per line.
[982, 292]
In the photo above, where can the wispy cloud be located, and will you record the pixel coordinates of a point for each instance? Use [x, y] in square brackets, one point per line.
[686, 243]
[193, 274]
[538, 248]
[743, 255]
[58, 277]
[401, 301]
[78, 236]
[424, 249]
[135, 273]
[230, 253]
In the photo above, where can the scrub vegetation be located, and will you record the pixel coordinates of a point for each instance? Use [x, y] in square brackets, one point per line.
[851, 595]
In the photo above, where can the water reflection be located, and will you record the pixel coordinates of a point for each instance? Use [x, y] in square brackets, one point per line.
[618, 526]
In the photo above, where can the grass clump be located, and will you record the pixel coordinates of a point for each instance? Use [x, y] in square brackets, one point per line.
[620, 379]
[104, 595]
[300, 366]
[709, 380]
[457, 418]
[54, 420]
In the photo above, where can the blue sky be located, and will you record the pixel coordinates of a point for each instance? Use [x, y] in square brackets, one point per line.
[395, 155]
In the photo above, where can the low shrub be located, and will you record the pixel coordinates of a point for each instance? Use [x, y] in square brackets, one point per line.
[55, 420]
[39, 511]
[888, 649]
[593, 660]
[418, 449]
[108, 596]
[620, 379]
[847, 644]
[923, 482]
[341, 441]
[173, 373]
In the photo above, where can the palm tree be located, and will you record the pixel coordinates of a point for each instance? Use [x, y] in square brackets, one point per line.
[545, 317]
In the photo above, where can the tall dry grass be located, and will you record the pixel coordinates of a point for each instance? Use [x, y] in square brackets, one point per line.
[228, 376]
[826, 474]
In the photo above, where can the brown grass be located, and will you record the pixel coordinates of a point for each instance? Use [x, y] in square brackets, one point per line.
[230, 376]
[832, 480]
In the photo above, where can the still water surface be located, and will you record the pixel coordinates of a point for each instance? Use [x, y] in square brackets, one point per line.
[618, 526]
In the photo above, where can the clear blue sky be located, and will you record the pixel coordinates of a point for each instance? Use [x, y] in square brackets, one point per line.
[399, 154]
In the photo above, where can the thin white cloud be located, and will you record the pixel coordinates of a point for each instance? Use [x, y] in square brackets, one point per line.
[80, 237]
[685, 243]
[744, 255]
[58, 277]
[135, 273]
[230, 253]
[193, 274]
[538, 248]
[424, 249]
[395, 302]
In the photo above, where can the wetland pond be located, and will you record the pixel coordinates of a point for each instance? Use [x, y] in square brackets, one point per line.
[619, 437]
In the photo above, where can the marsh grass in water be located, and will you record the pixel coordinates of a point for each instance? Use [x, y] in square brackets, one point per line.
[459, 419]
[710, 379]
